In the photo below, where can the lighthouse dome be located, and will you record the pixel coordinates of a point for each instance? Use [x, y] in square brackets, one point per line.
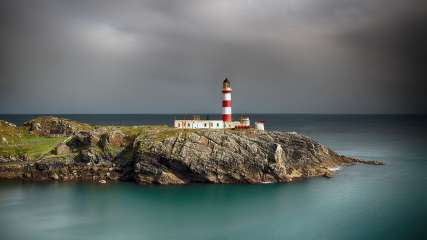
[226, 83]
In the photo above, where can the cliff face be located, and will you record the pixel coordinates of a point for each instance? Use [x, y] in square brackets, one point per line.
[162, 155]
[245, 156]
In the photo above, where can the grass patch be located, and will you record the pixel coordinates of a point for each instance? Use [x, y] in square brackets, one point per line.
[159, 133]
[32, 146]
[134, 131]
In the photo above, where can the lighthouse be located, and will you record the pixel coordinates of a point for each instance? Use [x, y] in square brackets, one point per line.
[227, 120]
[226, 101]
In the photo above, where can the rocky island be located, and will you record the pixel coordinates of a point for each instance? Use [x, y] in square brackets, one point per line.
[57, 149]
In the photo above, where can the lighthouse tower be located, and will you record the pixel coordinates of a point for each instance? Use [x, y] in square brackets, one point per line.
[226, 101]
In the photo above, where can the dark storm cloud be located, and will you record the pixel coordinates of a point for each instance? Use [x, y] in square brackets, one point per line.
[399, 47]
[328, 56]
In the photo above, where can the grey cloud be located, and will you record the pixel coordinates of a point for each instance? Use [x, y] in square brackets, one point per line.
[330, 56]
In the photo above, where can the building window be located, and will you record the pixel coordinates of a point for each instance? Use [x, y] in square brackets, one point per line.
[217, 124]
[179, 124]
[188, 125]
[206, 124]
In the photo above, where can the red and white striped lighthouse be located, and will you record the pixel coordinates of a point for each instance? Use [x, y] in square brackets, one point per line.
[226, 101]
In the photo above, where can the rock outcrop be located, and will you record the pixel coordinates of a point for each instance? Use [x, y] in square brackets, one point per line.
[162, 155]
[6, 124]
[62, 149]
[7, 130]
[244, 156]
[49, 125]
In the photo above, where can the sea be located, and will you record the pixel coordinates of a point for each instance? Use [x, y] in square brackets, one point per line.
[360, 202]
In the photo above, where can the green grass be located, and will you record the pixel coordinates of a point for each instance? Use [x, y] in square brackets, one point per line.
[162, 131]
[29, 145]
[159, 133]
[134, 131]
[131, 130]
[112, 150]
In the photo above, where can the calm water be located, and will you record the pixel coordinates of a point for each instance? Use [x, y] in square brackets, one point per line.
[362, 202]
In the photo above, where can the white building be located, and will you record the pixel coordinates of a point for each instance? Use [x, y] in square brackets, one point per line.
[259, 125]
[195, 123]
[211, 124]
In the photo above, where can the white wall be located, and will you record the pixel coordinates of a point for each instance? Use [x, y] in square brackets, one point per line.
[196, 124]
[210, 124]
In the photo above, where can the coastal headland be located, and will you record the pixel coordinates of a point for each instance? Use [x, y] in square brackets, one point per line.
[56, 149]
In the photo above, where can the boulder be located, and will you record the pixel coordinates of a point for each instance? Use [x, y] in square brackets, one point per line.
[84, 138]
[89, 156]
[54, 176]
[117, 138]
[62, 148]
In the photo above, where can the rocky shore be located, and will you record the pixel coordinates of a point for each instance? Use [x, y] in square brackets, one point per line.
[56, 149]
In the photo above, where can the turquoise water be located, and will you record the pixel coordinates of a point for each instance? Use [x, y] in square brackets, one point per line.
[361, 202]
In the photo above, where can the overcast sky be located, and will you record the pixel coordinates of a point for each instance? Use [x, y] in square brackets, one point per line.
[282, 56]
